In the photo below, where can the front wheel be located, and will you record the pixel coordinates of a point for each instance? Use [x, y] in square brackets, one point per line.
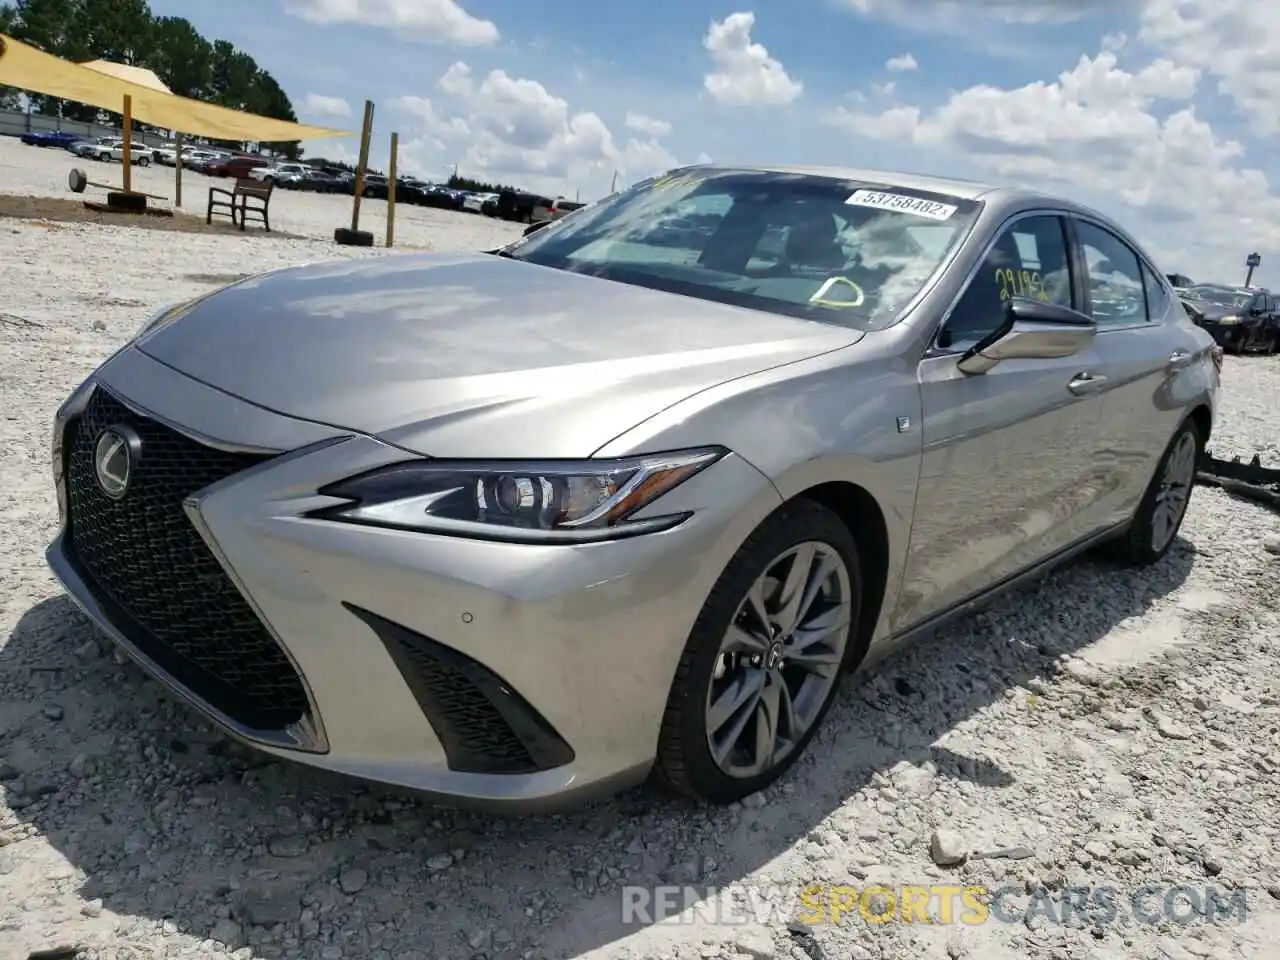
[1159, 516]
[764, 660]
[144, 161]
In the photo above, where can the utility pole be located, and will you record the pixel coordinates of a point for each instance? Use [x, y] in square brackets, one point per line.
[1253, 261]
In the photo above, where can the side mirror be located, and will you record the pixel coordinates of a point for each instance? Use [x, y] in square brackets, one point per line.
[1033, 330]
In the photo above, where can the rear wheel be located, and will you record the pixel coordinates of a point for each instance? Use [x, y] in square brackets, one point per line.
[1159, 516]
[764, 660]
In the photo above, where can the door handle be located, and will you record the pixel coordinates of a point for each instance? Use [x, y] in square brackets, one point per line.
[1085, 383]
[1179, 359]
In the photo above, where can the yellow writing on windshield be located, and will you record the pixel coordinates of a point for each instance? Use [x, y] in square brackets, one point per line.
[1021, 283]
[839, 292]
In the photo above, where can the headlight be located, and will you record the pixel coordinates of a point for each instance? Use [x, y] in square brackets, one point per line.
[557, 502]
[1234, 318]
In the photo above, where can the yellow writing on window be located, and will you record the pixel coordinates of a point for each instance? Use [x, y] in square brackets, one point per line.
[1021, 283]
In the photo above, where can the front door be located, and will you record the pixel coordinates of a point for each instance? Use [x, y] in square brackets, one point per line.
[1006, 476]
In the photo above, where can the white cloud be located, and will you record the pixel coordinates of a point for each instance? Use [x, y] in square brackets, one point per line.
[1115, 41]
[645, 124]
[928, 13]
[435, 21]
[1235, 41]
[904, 62]
[745, 74]
[1099, 129]
[318, 105]
[515, 130]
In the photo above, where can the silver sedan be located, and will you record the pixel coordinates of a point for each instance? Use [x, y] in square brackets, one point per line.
[630, 495]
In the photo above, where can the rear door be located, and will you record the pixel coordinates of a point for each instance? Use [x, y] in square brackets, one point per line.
[1141, 349]
[1006, 473]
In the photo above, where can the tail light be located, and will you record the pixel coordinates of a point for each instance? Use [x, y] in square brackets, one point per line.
[1216, 352]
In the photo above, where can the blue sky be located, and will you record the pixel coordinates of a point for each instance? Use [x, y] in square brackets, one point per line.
[1156, 111]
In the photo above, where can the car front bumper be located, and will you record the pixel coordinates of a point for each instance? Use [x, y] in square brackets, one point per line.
[482, 673]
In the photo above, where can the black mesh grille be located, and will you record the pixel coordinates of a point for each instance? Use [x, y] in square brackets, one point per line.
[157, 579]
[475, 737]
[483, 724]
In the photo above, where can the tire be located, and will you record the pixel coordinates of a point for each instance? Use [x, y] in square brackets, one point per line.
[685, 762]
[347, 237]
[126, 202]
[144, 161]
[1140, 547]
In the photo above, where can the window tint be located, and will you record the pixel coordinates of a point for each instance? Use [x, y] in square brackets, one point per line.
[1114, 277]
[1157, 295]
[1028, 260]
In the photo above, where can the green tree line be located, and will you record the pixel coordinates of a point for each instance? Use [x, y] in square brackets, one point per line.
[126, 31]
[476, 186]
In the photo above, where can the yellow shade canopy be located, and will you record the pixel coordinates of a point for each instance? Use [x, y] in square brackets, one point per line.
[105, 84]
[130, 74]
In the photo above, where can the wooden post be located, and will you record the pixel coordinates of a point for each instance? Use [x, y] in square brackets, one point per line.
[127, 156]
[391, 191]
[177, 171]
[365, 132]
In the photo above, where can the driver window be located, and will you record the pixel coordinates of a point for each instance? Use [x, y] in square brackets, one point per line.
[1029, 260]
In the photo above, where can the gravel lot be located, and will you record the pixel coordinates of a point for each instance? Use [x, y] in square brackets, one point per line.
[37, 172]
[1106, 729]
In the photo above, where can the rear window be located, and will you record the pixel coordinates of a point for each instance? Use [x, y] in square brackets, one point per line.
[816, 247]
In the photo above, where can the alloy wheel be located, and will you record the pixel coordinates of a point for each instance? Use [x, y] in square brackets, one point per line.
[779, 659]
[1174, 491]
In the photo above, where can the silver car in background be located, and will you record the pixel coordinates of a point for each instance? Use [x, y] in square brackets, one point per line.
[631, 494]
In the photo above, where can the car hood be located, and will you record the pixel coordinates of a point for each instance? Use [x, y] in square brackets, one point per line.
[1212, 311]
[472, 355]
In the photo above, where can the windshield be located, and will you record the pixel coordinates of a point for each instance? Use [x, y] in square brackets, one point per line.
[809, 246]
[1224, 298]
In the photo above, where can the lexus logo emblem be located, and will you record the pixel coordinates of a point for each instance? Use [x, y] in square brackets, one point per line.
[115, 457]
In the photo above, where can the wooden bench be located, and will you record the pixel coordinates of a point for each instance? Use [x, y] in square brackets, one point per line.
[236, 205]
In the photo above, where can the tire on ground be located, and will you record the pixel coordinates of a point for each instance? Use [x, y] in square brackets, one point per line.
[684, 762]
[130, 202]
[1135, 547]
[347, 237]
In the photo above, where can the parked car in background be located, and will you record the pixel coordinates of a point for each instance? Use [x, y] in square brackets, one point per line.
[320, 181]
[778, 462]
[279, 170]
[552, 209]
[442, 197]
[240, 166]
[1240, 319]
[51, 138]
[519, 205]
[474, 202]
[90, 149]
[139, 154]
[1178, 281]
[196, 160]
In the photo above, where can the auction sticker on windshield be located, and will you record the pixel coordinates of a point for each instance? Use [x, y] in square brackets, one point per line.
[902, 203]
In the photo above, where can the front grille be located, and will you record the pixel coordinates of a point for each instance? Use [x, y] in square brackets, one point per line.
[484, 726]
[157, 579]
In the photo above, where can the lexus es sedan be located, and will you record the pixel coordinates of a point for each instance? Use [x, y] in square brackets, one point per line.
[630, 495]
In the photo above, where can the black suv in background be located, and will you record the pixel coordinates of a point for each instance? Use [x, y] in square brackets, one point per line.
[1240, 319]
